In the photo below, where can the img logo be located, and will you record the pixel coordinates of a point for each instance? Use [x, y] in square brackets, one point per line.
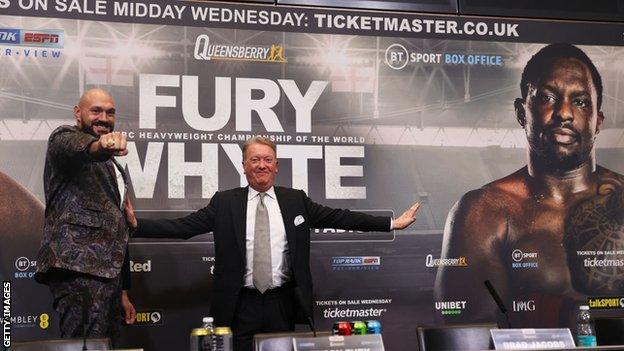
[524, 306]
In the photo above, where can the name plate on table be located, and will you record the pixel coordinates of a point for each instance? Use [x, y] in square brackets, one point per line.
[527, 339]
[372, 342]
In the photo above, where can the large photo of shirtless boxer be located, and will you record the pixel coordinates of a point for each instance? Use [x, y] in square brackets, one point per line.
[549, 233]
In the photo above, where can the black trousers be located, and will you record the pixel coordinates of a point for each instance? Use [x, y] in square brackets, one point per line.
[271, 312]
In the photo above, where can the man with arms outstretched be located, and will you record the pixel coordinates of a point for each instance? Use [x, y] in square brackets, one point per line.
[262, 280]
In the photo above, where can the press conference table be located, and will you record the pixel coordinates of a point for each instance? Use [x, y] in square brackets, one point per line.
[613, 347]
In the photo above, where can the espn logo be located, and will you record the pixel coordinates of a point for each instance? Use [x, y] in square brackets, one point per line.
[52, 38]
[40, 38]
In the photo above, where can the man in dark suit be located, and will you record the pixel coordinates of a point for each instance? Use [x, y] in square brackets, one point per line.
[262, 277]
[85, 238]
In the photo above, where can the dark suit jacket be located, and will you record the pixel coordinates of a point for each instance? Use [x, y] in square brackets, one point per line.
[226, 215]
[85, 229]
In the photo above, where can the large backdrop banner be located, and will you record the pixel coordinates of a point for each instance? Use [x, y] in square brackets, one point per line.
[370, 111]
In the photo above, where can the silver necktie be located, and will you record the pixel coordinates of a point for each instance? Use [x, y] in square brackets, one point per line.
[262, 272]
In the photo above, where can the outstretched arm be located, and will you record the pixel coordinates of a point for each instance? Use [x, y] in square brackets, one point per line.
[198, 222]
[73, 147]
[407, 218]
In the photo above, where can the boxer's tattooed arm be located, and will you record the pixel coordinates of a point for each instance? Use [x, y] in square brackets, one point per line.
[594, 239]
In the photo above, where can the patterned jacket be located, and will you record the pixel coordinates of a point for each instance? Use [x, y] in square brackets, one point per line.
[85, 229]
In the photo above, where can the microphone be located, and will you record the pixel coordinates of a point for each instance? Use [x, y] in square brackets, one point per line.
[301, 301]
[86, 301]
[498, 300]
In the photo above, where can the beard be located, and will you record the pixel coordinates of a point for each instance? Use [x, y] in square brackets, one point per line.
[97, 128]
[561, 157]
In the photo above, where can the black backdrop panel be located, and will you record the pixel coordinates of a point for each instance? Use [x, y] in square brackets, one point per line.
[443, 6]
[604, 10]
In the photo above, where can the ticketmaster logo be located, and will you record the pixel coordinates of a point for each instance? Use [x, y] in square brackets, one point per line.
[353, 313]
[595, 262]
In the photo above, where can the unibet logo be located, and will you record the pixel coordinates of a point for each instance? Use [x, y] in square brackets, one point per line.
[450, 307]
[44, 321]
[141, 267]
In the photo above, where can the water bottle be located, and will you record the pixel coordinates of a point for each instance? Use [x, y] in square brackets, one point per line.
[223, 339]
[585, 335]
[208, 323]
[202, 338]
[208, 343]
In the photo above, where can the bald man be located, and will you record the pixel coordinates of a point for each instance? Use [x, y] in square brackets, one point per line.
[85, 239]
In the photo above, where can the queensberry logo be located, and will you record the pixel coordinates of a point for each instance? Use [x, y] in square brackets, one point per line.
[10, 36]
[356, 263]
[50, 38]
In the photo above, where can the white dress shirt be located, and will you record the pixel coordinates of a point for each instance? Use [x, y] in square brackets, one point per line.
[121, 185]
[279, 244]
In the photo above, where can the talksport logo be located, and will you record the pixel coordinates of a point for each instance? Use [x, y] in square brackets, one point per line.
[450, 308]
[49, 38]
[206, 51]
[612, 302]
[355, 263]
[152, 317]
